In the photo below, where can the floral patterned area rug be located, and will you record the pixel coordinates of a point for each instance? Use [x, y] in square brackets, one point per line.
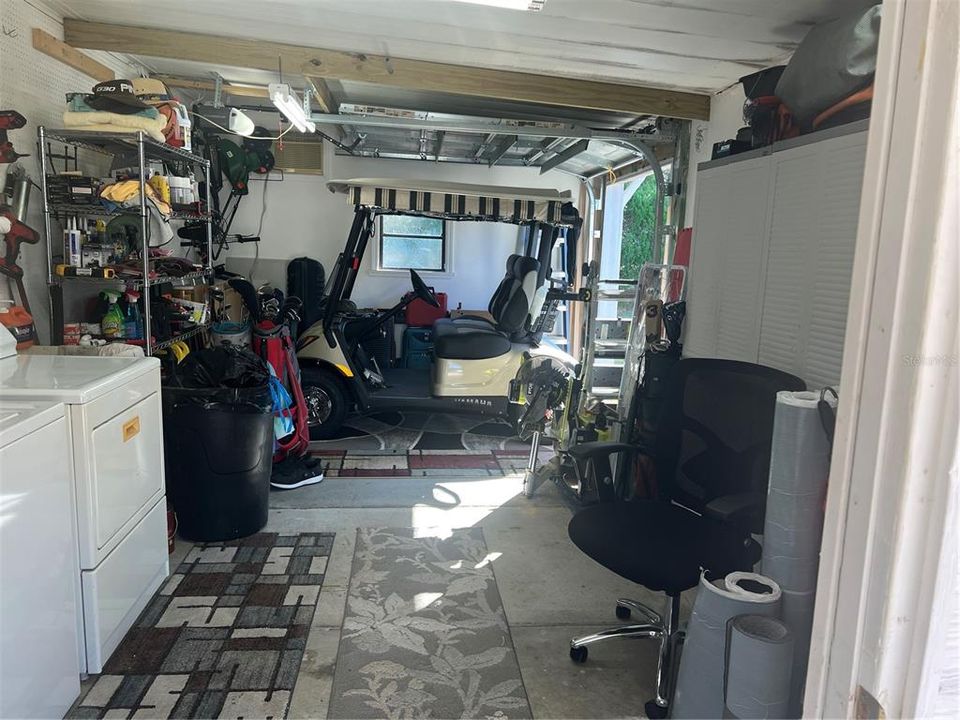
[425, 635]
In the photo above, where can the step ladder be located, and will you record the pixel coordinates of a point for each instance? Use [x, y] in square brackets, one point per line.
[657, 283]
[603, 375]
[613, 366]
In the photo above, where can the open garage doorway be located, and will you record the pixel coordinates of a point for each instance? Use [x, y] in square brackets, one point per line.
[628, 240]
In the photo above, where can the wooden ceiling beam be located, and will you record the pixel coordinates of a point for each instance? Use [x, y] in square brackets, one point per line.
[320, 92]
[321, 95]
[184, 83]
[394, 72]
[49, 45]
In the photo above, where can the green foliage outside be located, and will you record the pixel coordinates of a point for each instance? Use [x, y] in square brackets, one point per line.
[411, 225]
[411, 242]
[638, 219]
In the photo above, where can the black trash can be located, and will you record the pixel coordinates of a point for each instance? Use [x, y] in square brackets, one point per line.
[218, 452]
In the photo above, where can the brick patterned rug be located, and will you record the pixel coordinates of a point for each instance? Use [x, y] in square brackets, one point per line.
[223, 637]
[419, 444]
[415, 430]
[426, 463]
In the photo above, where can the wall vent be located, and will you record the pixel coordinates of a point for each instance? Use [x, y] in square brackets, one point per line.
[303, 156]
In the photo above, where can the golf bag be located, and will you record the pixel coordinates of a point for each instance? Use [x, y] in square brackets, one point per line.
[305, 280]
[273, 343]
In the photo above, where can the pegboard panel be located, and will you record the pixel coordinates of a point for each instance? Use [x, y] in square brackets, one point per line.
[35, 85]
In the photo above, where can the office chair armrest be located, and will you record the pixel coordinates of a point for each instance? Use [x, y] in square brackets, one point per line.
[741, 508]
[589, 450]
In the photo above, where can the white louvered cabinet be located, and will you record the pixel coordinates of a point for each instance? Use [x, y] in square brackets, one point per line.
[726, 271]
[774, 236]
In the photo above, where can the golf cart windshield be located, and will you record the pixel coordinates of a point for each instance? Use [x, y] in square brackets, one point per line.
[458, 201]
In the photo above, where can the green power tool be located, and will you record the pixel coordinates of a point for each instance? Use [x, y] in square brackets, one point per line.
[233, 163]
[238, 162]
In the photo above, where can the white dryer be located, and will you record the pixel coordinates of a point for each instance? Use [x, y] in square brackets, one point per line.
[116, 447]
[39, 603]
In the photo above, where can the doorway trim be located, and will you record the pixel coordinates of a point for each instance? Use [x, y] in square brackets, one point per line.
[884, 519]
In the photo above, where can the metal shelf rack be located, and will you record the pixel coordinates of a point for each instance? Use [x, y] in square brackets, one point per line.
[139, 148]
[101, 211]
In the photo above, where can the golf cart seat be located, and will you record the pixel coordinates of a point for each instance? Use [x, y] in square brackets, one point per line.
[456, 341]
[511, 305]
[500, 296]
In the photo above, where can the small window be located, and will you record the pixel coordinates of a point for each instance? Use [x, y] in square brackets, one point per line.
[412, 242]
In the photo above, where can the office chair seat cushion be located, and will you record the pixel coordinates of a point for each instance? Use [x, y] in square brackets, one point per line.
[660, 545]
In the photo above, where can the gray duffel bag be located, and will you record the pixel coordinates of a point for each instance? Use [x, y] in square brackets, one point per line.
[833, 61]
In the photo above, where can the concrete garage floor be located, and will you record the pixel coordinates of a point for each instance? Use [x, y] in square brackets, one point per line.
[550, 590]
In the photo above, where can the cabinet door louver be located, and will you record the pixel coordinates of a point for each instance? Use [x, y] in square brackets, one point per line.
[727, 265]
[772, 257]
[793, 231]
[841, 183]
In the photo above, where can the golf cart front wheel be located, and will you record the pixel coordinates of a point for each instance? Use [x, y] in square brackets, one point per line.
[326, 400]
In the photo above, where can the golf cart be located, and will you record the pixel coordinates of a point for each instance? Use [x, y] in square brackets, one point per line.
[476, 360]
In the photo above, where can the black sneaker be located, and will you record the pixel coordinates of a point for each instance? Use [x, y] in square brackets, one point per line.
[293, 473]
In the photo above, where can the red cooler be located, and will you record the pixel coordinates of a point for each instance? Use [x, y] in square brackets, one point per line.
[421, 314]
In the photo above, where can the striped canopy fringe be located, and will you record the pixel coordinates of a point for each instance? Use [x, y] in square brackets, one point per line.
[456, 206]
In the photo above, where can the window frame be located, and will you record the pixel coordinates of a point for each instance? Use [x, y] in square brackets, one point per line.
[446, 250]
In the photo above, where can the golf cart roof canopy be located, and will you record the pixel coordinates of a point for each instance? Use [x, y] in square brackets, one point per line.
[458, 201]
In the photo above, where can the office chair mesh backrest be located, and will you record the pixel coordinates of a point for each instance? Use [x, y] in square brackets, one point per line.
[716, 429]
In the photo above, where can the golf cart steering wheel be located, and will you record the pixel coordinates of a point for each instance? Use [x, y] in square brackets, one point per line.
[421, 290]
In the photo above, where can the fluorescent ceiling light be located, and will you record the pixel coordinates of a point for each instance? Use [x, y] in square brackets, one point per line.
[287, 103]
[533, 5]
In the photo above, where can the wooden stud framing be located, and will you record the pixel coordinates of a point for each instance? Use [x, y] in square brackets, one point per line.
[394, 72]
[49, 45]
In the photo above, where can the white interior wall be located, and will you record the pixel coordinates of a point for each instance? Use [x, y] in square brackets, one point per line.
[302, 217]
[34, 85]
[726, 117]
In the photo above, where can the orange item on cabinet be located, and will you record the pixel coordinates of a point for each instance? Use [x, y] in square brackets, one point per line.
[20, 324]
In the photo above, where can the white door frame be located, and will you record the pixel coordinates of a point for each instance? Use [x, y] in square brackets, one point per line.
[896, 433]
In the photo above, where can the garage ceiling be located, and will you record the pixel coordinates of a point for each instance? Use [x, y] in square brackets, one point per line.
[696, 46]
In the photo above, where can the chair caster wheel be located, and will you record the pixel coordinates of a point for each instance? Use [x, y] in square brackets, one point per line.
[578, 654]
[654, 711]
[623, 613]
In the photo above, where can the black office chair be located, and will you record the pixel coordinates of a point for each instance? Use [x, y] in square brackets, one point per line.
[712, 459]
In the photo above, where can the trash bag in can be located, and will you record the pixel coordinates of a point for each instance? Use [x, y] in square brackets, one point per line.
[218, 444]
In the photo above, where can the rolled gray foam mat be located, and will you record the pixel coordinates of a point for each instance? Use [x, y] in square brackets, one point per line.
[796, 610]
[792, 573]
[793, 525]
[699, 691]
[759, 661]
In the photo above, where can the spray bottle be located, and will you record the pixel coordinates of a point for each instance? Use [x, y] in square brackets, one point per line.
[132, 319]
[112, 324]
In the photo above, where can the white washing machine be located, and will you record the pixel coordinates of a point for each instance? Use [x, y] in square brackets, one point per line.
[116, 447]
[39, 600]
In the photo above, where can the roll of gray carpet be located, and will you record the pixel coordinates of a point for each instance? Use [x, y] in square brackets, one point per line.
[699, 690]
[799, 467]
[759, 661]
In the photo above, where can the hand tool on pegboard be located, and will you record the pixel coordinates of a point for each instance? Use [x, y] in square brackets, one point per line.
[9, 120]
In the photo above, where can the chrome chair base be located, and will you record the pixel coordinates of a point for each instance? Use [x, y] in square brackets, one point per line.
[658, 627]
